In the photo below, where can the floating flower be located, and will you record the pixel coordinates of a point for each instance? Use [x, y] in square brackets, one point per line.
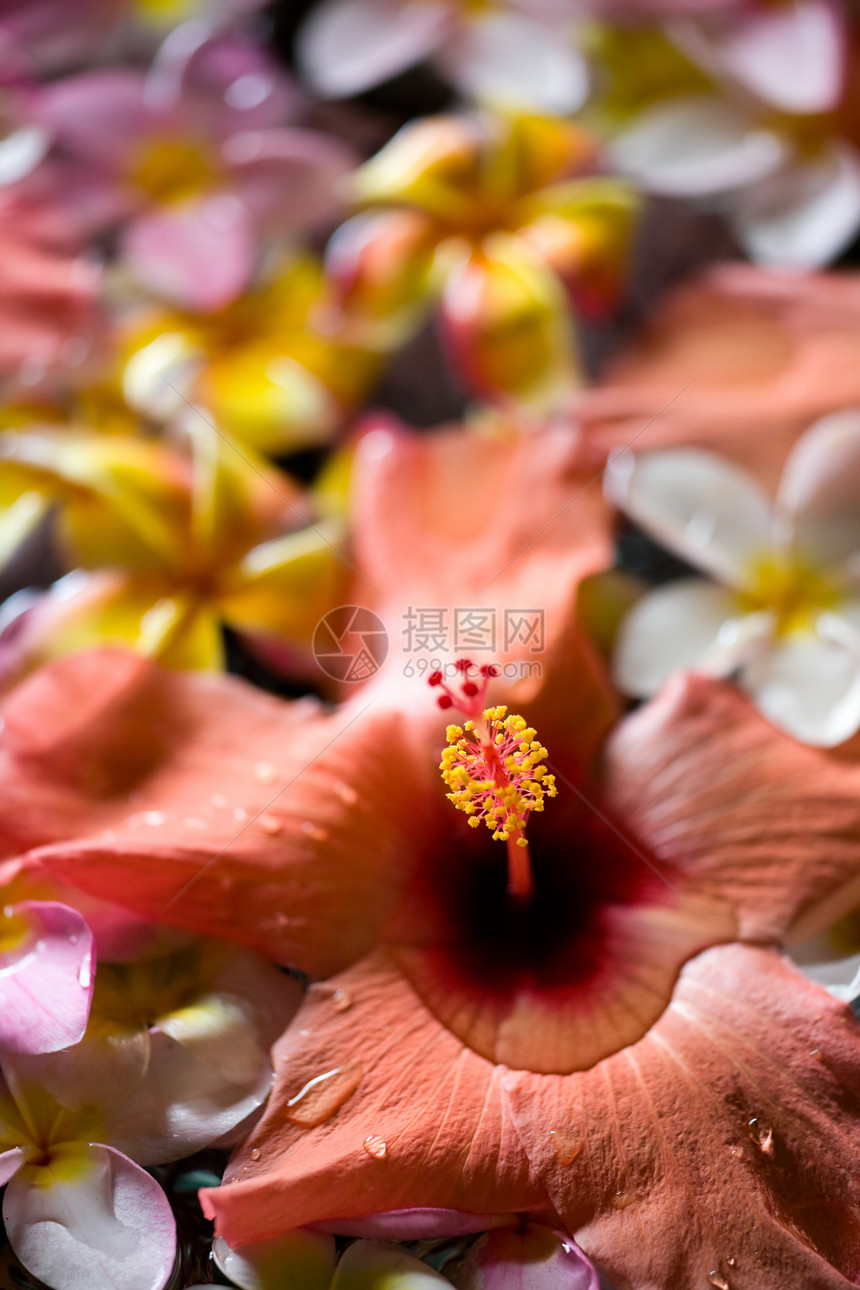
[784, 611]
[169, 547]
[269, 374]
[596, 1054]
[497, 216]
[739, 361]
[520, 52]
[739, 110]
[193, 162]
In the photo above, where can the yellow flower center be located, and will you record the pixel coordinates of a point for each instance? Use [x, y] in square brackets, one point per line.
[171, 170]
[789, 589]
[15, 930]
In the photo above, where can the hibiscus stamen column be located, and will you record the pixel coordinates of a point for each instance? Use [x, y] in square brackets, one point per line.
[493, 765]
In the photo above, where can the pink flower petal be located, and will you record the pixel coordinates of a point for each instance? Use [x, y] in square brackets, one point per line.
[199, 255]
[10, 1163]
[710, 512]
[46, 984]
[346, 46]
[533, 1258]
[287, 179]
[507, 57]
[91, 1217]
[417, 1224]
[100, 116]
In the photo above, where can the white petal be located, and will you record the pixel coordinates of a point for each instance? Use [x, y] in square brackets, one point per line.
[671, 629]
[508, 58]
[806, 214]
[298, 1260]
[91, 1219]
[819, 493]
[790, 55]
[808, 687]
[692, 146]
[21, 151]
[346, 46]
[710, 512]
[367, 1265]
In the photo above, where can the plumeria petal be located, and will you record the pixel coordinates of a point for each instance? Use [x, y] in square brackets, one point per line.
[288, 179]
[46, 976]
[673, 628]
[367, 1265]
[10, 1162]
[506, 57]
[99, 115]
[417, 1224]
[721, 1101]
[347, 46]
[88, 1217]
[805, 214]
[298, 1260]
[534, 1258]
[198, 255]
[724, 799]
[340, 1138]
[690, 147]
[705, 509]
[809, 687]
[819, 490]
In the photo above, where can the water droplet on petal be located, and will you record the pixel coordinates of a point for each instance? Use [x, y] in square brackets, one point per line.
[622, 1199]
[346, 793]
[375, 1146]
[192, 822]
[719, 1281]
[737, 1153]
[255, 1153]
[85, 974]
[239, 813]
[316, 831]
[265, 772]
[281, 919]
[318, 1100]
[731, 1260]
[341, 1000]
[762, 1135]
[219, 800]
[566, 1146]
[270, 824]
[40, 947]
[73, 938]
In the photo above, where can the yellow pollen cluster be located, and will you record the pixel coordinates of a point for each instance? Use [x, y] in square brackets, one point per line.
[498, 779]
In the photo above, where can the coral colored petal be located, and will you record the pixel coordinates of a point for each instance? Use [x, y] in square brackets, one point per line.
[406, 1117]
[299, 1260]
[691, 147]
[46, 983]
[804, 215]
[90, 1218]
[730, 803]
[722, 1146]
[707, 510]
[199, 255]
[505, 57]
[809, 687]
[534, 1258]
[819, 490]
[670, 629]
[203, 802]
[347, 46]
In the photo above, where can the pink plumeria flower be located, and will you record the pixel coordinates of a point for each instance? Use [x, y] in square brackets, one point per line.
[46, 976]
[746, 121]
[513, 51]
[193, 162]
[783, 606]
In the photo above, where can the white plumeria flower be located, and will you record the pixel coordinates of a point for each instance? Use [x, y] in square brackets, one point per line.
[783, 611]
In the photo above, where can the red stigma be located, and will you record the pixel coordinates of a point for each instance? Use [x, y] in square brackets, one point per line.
[435, 678]
[445, 701]
[470, 696]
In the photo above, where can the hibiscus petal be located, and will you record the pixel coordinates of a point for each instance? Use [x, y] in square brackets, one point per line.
[213, 806]
[729, 802]
[691, 147]
[509, 58]
[46, 980]
[670, 629]
[804, 215]
[722, 1146]
[199, 255]
[403, 1116]
[707, 510]
[809, 687]
[91, 1217]
[819, 490]
[347, 46]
